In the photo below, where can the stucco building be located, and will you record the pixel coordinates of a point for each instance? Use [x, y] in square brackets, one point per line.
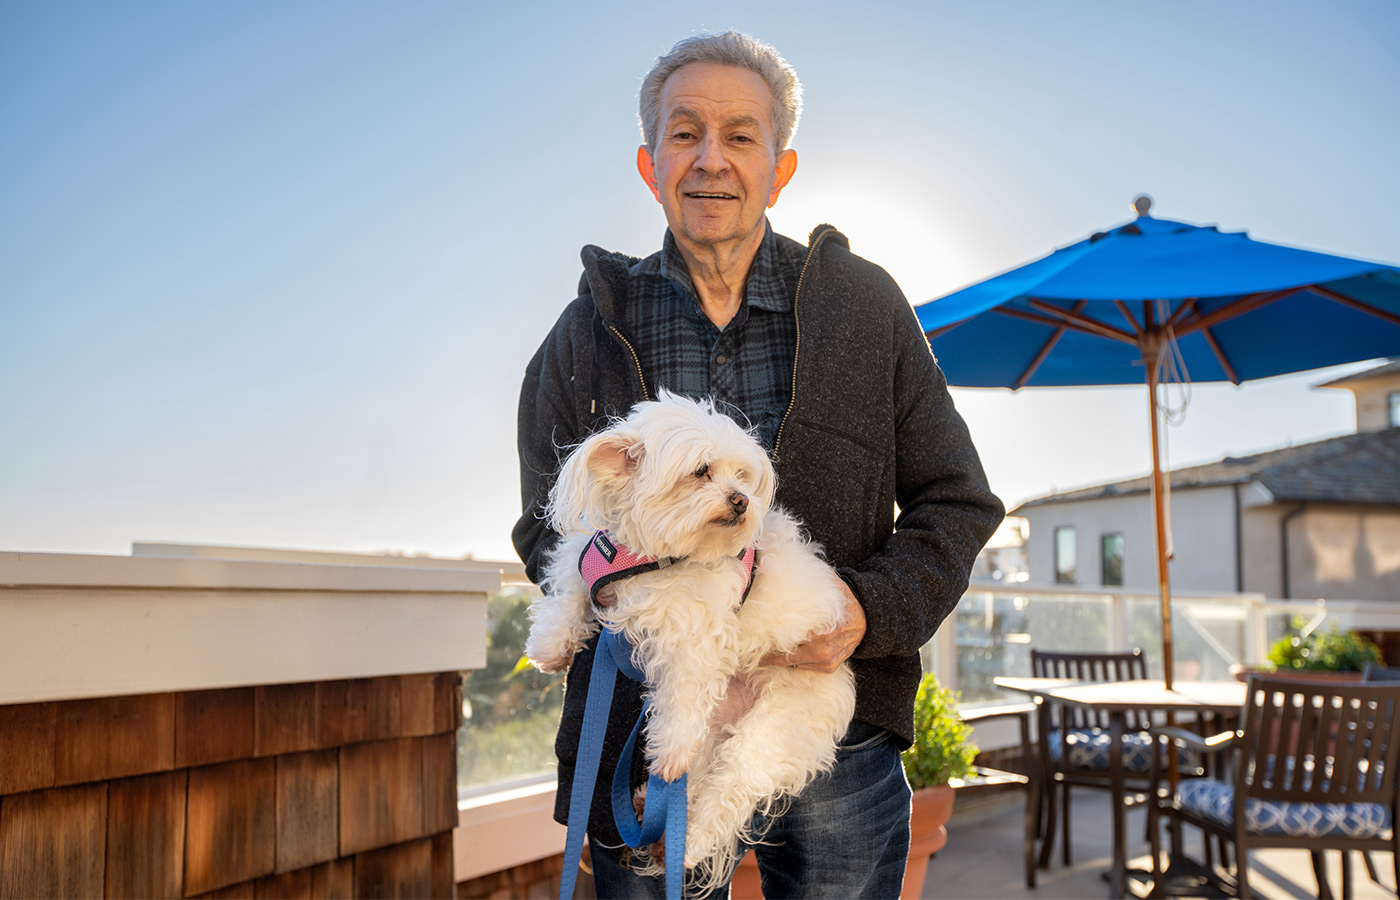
[1315, 520]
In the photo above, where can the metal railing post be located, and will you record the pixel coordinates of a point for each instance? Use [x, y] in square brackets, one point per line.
[1118, 622]
[945, 653]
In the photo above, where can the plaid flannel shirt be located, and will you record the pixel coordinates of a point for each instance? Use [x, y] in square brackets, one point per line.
[746, 367]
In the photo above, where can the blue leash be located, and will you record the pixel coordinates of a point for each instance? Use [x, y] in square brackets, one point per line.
[665, 805]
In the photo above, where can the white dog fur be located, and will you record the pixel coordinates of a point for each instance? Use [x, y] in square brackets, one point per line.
[678, 479]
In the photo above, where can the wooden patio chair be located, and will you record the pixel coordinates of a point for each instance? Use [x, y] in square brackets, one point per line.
[986, 778]
[1376, 672]
[1315, 767]
[1074, 742]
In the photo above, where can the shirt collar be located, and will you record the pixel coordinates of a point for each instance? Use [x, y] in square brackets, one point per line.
[765, 288]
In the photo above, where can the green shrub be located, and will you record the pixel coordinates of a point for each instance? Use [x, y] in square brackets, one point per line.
[941, 750]
[1333, 650]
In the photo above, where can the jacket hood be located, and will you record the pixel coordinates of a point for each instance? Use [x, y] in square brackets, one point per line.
[604, 277]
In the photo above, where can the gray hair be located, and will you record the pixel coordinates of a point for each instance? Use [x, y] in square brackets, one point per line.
[731, 48]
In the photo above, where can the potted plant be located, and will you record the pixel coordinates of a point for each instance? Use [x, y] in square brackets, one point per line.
[941, 752]
[1310, 654]
[1316, 651]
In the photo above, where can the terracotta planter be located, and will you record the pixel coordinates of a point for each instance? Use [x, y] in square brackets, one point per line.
[932, 808]
[746, 884]
[1242, 673]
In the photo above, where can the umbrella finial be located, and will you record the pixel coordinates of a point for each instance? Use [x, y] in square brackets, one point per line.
[1143, 204]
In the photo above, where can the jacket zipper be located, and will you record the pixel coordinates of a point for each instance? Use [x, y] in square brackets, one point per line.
[636, 362]
[797, 344]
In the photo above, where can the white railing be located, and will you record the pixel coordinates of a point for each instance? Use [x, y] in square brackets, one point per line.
[995, 625]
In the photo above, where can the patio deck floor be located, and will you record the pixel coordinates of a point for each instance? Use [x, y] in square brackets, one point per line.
[983, 858]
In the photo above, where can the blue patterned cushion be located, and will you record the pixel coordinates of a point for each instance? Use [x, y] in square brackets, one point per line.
[1089, 749]
[1215, 800]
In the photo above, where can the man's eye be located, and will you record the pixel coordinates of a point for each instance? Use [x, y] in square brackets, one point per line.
[703, 471]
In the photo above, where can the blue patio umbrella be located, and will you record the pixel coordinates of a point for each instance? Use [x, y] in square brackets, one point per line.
[1119, 306]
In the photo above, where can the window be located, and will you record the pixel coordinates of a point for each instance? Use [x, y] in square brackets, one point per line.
[1393, 401]
[1064, 555]
[1111, 559]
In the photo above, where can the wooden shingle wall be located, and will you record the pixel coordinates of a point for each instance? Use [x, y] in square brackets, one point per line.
[326, 789]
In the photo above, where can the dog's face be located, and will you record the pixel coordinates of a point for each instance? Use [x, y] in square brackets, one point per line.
[675, 478]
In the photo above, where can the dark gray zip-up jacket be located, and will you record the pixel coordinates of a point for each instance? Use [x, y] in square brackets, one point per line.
[871, 457]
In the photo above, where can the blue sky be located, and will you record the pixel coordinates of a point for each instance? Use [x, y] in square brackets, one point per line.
[270, 272]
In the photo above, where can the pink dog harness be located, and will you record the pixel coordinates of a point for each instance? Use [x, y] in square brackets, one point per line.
[603, 562]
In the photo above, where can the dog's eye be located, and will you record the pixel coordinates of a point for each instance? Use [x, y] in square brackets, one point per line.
[703, 471]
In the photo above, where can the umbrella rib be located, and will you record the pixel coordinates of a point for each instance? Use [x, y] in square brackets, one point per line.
[1045, 351]
[1220, 356]
[1246, 304]
[1027, 316]
[1083, 323]
[1356, 304]
[939, 332]
[1127, 314]
[1048, 321]
[1187, 307]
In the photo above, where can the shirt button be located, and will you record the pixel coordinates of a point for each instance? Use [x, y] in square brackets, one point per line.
[721, 359]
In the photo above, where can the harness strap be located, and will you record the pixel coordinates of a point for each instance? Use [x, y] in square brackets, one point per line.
[666, 800]
[601, 563]
[604, 561]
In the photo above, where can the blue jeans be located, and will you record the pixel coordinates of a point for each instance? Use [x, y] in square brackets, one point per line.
[845, 837]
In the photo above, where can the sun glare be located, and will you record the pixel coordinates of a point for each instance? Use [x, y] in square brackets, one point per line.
[929, 235]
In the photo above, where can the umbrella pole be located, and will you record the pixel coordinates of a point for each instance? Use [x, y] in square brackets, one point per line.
[1159, 510]
[1153, 359]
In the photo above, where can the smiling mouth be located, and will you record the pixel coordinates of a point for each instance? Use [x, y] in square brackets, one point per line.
[709, 195]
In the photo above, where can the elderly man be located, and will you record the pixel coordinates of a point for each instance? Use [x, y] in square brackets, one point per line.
[820, 352]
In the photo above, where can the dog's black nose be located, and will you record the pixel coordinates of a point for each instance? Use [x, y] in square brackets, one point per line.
[739, 503]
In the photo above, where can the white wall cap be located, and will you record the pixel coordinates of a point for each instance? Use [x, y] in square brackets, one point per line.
[91, 570]
[512, 571]
[75, 626]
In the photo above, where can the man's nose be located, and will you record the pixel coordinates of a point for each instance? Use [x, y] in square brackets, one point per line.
[711, 155]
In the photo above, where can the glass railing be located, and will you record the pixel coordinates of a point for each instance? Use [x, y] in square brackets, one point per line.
[995, 625]
[511, 712]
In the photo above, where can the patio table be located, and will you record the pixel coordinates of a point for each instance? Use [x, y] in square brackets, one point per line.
[1116, 698]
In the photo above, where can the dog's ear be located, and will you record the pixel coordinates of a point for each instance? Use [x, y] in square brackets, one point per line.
[767, 482]
[613, 454]
[590, 479]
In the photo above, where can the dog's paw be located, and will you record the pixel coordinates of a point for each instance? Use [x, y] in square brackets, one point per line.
[672, 766]
[557, 666]
[551, 658]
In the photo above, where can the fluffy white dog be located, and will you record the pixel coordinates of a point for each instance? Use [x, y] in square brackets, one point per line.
[684, 484]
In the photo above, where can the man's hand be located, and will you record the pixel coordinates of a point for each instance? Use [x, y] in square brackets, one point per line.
[826, 652]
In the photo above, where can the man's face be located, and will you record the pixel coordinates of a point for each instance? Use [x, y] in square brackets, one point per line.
[715, 169]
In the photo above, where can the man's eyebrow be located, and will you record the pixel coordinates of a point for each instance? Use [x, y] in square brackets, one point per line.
[741, 120]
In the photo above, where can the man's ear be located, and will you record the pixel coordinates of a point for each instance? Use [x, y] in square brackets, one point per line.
[782, 174]
[646, 167]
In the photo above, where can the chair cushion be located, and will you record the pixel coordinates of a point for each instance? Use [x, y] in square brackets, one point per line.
[1089, 749]
[1215, 800]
